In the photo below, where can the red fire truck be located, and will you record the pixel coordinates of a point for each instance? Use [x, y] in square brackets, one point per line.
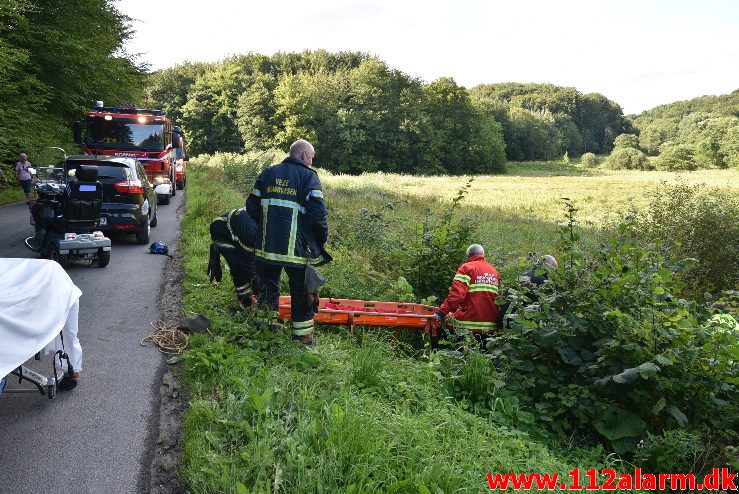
[147, 135]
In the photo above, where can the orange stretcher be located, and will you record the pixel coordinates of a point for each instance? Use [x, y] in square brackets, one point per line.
[347, 312]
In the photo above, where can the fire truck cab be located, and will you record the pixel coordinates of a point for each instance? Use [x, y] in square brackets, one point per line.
[143, 134]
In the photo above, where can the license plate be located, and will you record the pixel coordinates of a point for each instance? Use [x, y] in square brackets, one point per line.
[103, 221]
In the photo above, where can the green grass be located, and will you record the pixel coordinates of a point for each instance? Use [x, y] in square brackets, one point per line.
[11, 194]
[362, 413]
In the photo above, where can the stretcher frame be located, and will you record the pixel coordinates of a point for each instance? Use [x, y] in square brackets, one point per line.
[391, 314]
[44, 385]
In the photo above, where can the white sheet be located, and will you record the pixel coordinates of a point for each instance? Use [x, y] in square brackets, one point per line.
[36, 297]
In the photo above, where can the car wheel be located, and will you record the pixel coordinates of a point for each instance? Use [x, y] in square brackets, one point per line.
[163, 199]
[154, 222]
[142, 237]
[103, 258]
[180, 185]
[53, 253]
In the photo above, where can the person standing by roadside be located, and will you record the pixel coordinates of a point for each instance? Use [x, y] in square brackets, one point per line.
[24, 175]
[288, 207]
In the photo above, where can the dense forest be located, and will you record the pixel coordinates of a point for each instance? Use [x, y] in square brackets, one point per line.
[698, 133]
[56, 59]
[365, 116]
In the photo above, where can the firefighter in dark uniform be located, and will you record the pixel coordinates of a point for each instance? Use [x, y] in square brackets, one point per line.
[233, 235]
[288, 207]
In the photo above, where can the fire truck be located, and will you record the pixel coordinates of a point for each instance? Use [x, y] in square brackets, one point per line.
[144, 134]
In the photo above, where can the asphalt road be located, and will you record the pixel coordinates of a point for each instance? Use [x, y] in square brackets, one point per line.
[97, 438]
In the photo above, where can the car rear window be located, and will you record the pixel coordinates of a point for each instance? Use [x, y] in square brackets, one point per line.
[106, 172]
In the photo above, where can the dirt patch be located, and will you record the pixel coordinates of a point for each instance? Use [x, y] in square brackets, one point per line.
[163, 458]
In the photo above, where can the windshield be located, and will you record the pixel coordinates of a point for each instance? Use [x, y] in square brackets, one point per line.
[50, 173]
[125, 134]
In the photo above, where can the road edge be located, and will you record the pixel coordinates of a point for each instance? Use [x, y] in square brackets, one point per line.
[160, 463]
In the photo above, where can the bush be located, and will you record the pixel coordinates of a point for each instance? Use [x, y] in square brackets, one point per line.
[612, 350]
[694, 221]
[627, 159]
[429, 260]
[241, 170]
[675, 157]
[626, 141]
[589, 160]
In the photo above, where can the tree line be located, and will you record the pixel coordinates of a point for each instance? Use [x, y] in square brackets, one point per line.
[698, 133]
[56, 59]
[363, 115]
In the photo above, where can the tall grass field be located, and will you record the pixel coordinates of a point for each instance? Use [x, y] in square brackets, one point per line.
[378, 411]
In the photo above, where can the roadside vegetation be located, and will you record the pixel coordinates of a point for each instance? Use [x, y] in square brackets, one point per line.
[619, 363]
[54, 67]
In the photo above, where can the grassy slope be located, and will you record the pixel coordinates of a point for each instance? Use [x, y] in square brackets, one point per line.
[358, 415]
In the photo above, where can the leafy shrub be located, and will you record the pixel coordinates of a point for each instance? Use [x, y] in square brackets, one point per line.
[626, 141]
[627, 158]
[241, 170]
[695, 221]
[676, 157]
[588, 160]
[429, 260]
[610, 346]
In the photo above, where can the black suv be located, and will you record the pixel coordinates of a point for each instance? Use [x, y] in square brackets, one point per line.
[129, 200]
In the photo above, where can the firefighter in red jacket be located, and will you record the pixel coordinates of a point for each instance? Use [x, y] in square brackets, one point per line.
[470, 304]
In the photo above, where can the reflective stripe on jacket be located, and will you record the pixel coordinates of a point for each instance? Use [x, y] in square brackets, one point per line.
[471, 299]
[234, 228]
[288, 207]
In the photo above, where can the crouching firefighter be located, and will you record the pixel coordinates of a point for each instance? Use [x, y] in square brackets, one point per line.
[470, 305]
[233, 235]
[288, 207]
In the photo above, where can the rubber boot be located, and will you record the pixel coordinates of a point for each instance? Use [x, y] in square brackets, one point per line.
[305, 339]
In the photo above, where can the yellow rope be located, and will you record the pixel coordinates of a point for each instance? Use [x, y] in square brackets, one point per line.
[171, 341]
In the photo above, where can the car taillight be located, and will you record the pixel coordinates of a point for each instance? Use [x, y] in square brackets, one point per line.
[129, 187]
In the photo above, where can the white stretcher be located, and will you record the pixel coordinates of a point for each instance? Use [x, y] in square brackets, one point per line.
[39, 307]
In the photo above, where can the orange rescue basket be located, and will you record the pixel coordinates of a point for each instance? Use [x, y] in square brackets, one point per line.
[347, 312]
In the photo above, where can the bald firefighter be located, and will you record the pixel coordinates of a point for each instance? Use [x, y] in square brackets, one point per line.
[288, 206]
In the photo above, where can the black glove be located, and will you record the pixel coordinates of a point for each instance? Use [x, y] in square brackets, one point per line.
[214, 264]
[439, 315]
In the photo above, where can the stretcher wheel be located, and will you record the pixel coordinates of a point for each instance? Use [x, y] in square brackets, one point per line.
[51, 391]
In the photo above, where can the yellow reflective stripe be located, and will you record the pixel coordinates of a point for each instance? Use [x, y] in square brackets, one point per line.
[315, 193]
[265, 219]
[483, 287]
[234, 237]
[293, 232]
[302, 332]
[256, 192]
[280, 257]
[473, 324]
[283, 203]
[303, 324]
[463, 278]
[224, 245]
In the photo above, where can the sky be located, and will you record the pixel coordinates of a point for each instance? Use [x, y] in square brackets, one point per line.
[638, 53]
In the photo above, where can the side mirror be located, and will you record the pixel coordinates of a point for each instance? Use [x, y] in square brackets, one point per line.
[77, 133]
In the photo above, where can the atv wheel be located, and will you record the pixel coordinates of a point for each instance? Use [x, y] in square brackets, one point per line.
[103, 258]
